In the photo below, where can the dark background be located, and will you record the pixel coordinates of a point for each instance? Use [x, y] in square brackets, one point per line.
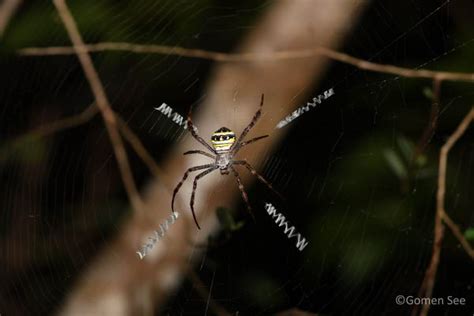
[345, 168]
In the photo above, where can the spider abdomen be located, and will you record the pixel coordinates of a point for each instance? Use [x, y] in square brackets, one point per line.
[223, 139]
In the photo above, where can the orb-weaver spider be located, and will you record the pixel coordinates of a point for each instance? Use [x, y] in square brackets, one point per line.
[224, 147]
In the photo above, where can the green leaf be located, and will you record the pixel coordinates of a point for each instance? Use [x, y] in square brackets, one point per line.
[421, 161]
[469, 233]
[27, 150]
[395, 163]
[237, 226]
[406, 147]
[428, 93]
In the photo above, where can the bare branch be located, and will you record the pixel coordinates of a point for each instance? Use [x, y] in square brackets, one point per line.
[426, 289]
[432, 123]
[249, 57]
[458, 234]
[54, 127]
[102, 103]
[142, 152]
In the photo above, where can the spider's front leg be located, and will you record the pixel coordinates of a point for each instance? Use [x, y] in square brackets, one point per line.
[192, 129]
[185, 177]
[242, 144]
[251, 124]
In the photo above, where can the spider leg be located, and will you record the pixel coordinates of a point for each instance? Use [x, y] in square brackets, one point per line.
[192, 129]
[199, 176]
[184, 178]
[242, 191]
[199, 152]
[242, 144]
[251, 124]
[259, 177]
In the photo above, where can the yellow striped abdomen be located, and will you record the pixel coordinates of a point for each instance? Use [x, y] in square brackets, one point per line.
[223, 139]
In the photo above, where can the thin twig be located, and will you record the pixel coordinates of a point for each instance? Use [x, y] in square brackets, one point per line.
[54, 127]
[248, 57]
[426, 289]
[82, 118]
[102, 103]
[432, 123]
[142, 152]
[458, 234]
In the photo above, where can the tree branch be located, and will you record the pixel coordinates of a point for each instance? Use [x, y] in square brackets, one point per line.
[426, 289]
[250, 57]
[432, 123]
[142, 152]
[102, 103]
[53, 127]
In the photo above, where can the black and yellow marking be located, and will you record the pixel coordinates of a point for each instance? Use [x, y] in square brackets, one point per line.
[223, 139]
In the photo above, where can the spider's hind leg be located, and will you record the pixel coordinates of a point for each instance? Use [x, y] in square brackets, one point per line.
[199, 176]
[176, 189]
[259, 177]
[242, 191]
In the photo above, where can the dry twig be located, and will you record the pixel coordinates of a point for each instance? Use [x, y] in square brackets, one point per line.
[142, 152]
[102, 103]
[426, 289]
[59, 125]
[432, 123]
[249, 57]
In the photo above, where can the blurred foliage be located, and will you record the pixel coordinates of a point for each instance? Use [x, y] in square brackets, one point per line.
[27, 150]
[469, 234]
[228, 224]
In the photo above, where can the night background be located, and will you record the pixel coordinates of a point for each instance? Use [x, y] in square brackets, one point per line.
[358, 172]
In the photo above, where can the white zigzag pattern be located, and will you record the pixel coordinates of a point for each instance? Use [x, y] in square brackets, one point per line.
[289, 231]
[158, 234]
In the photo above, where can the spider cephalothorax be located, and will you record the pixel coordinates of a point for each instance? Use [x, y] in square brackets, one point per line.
[223, 149]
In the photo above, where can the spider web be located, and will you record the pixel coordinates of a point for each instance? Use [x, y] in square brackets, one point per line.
[345, 167]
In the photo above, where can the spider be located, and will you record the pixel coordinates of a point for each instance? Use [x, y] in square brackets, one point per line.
[224, 148]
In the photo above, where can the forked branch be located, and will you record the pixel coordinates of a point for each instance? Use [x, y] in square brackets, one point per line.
[426, 289]
[102, 103]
